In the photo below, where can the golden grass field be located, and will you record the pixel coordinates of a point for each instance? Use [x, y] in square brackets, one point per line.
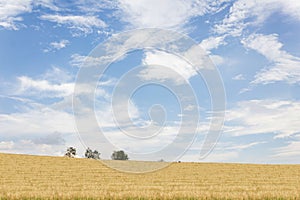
[42, 177]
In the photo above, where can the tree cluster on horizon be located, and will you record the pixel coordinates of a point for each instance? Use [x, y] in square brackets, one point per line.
[89, 153]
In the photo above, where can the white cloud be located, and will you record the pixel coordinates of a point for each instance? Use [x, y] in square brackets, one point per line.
[165, 136]
[56, 82]
[57, 75]
[182, 68]
[88, 61]
[215, 156]
[164, 14]
[5, 145]
[239, 77]
[212, 43]
[280, 118]
[41, 126]
[226, 156]
[284, 66]
[291, 8]
[51, 4]
[27, 146]
[165, 66]
[55, 138]
[39, 120]
[10, 11]
[291, 150]
[51, 86]
[217, 59]
[223, 151]
[94, 6]
[245, 13]
[190, 107]
[78, 24]
[43, 88]
[242, 146]
[123, 114]
[57, 45]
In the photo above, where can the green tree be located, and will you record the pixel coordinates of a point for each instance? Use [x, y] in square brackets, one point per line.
[71, 152]
[92, 154]
[119, 155]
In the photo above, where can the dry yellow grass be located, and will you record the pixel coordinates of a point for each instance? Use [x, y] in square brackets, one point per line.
[41, 177]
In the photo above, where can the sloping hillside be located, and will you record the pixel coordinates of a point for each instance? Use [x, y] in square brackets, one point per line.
[24, 176]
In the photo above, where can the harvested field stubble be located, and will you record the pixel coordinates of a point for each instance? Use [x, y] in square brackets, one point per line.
[42, 177]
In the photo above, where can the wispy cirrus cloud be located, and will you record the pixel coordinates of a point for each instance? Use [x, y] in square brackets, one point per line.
[245, 13]
[280, 118]
[239, 77]
[283, 66]
[95, 6]
[223, 152]
[78, 60]
[239, 147]
[10, 12]
[290, 151]
[80, 25]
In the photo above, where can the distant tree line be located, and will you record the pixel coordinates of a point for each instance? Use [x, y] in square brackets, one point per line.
[89, 153]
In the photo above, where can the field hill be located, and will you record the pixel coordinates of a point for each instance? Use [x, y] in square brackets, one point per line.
[42, 177]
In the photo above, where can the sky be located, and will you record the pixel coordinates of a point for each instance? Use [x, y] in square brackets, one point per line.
[253, 47]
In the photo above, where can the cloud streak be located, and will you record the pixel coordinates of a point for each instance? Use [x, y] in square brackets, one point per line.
[77, 23]
[10, 12]
[43, 88]
[280, 118]
[252, 13]
[283, 66]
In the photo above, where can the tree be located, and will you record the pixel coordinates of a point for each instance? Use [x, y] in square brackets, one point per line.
[96, 155]
[119, 155]
[92, 154]
[71, 152]
[88, 153]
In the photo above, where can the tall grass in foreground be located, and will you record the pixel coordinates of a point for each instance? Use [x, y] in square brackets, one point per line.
[39, 177]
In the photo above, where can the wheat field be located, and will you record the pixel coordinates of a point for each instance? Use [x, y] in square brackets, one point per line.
[42, 177]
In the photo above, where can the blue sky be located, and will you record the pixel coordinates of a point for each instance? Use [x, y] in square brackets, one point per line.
[253, 44]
